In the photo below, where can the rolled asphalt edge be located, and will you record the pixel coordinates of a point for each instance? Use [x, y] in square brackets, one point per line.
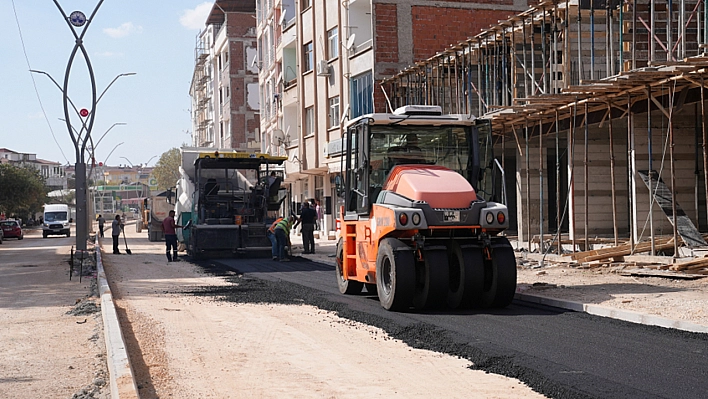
[122, 381]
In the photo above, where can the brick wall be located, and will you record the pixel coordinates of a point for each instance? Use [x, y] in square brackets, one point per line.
[386, 33]
[435, 29]
[240, 24]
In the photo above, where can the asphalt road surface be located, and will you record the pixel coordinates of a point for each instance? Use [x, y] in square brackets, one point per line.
[558, 353]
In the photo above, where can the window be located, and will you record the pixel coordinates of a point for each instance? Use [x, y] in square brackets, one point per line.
[309, 121]
[332, 43]
[305, 4]
[361, 88]
[309, 60]
[333, 112]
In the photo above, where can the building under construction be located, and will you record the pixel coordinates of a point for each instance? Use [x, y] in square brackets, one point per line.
[598, 108]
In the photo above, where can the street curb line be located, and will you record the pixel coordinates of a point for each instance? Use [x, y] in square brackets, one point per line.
[613, 313]
[120, 373]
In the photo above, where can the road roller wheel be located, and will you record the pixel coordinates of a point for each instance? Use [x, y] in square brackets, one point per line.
[506, 275]
[395, 274]
[466, 275]
[432, 286]
[499, 275]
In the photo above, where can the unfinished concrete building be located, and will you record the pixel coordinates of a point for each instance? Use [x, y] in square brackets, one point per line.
[598, 109]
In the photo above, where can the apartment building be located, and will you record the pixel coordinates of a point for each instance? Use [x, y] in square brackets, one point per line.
[54, 173]
[321, 63]
[224, 88]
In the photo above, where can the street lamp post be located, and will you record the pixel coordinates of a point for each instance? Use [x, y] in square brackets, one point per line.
[131, 164]
[77, 20]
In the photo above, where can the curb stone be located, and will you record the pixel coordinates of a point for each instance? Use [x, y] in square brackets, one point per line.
[122, 381]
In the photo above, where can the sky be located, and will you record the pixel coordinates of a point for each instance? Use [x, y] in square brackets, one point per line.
[153, 39]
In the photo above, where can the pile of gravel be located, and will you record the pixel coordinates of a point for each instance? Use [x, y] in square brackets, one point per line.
[84, 308]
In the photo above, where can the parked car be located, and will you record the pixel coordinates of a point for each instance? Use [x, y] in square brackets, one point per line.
[1, 236]
[11, 229]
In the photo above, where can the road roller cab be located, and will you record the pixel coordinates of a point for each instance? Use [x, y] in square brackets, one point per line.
[421, 220]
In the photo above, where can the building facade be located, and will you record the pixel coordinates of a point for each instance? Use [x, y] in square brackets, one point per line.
[54, 173]
[224, 88]
[321, 63]
[599, 119]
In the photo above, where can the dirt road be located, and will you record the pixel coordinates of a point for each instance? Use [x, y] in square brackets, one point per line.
[47, 353]
[185, 346]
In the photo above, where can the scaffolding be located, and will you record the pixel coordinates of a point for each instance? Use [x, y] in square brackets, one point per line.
[587, 94]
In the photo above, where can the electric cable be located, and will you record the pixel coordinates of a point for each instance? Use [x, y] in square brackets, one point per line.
[34, 83]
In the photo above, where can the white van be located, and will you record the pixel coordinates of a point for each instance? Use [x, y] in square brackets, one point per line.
[56, 220]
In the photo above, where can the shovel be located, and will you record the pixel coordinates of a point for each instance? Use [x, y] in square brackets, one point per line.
[127, 251]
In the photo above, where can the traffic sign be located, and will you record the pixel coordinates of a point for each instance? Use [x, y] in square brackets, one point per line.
[77, 18]
[84, 112]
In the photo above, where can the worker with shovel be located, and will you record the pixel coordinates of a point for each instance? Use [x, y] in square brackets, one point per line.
[169, 228]
[116, 228]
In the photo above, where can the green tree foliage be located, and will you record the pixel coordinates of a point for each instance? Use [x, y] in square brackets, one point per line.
[22, 190]
[166, 170]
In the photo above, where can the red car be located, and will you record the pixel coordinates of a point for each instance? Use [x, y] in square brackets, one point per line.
[11, 228]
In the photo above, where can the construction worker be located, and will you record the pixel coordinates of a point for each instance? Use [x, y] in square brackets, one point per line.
[282, 235]
[273, 240]
[169, 228]
[308, 217]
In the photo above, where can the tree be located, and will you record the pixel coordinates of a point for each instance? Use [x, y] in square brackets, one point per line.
[166, 170]
[22, 190]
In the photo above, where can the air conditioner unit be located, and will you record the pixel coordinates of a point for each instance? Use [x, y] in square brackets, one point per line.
[322, 68]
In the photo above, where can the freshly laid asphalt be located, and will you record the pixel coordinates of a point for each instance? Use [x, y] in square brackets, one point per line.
[557, 352]
[562, 354]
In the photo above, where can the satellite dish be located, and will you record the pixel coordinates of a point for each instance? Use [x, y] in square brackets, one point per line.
[350, 41]
[255, 58]
[278, 136]
[282, 17]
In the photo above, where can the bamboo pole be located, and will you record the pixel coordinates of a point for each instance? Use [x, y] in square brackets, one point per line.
[705, 140]
[612, 173]
[540, 183]
[669, 37]
[682, 32]
[652, 42]
[566, 43]
[592, 46]
[634, 34]
[514, 78]
[651, 171]
[559, 225]
[620, 32]
[528, 188]
[585, 182]
[571, 166]
[630, 170]
[533, 58]
[479, 75]
[673, 174]
[526, 80]
[544, 56]
[608, 41]
[580, 46]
